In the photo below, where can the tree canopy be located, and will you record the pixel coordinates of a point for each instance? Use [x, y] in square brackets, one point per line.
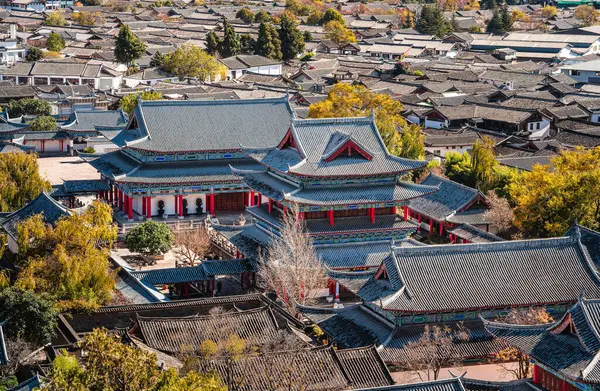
[128, 47]
[292, 40]
[432, 21]
[128, 102]
[43, 123]
[55, 42]
[66, 261]
[332, 15]
[268, 43]
[245, 15]
[56, 18]
[587, 14]
[34, 54]
[191, 61]
[550, 198]
[150, 238]
[230, 44]
[20, 180]
[262, 16]
[28, 106]
[30, 316]
[338, 33]
[109, 364]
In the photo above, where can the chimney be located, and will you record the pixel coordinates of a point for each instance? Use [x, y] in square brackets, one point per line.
[13, 31]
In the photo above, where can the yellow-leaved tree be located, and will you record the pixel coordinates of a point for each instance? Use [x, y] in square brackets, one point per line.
[346, 100]
[70, 260]
[550, 198]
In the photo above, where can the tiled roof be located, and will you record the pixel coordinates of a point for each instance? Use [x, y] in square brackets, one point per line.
[474, 234]
[454, 384]
[472, 216]
[248, 238]
[95, 119]
[173, 275]
[478, 344]
[173, 126]
[350, 327]
[318, 139]
[170, 334]
[470, 276]
[330, 195]
[43, 204]
[571, 352]
[590, 240]
[451, 198]
[364, 367]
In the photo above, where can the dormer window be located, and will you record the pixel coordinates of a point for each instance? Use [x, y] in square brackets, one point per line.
[288, 141]
[349, 148]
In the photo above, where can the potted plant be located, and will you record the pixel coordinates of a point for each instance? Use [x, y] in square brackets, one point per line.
[161, 208]
[241, 220]
[199, 206]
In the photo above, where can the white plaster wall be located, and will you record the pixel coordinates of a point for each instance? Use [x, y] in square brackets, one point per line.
[169, 204]
[434, 124]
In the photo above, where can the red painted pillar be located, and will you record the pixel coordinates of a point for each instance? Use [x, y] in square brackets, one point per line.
[180, 202]
[120, 201]
[372, 215]
[245, 198]
[259, 199]
[406, 212]
[149, 207]
[301, 216]
[237, 254]
[130, 207]
[536, 374]
[176, 204]
[125, 203]
[143, 205]
[441, 228]
[251, 198]
[330, 215]
[212, 204]
[430, 226]
[393, 210]
[331, 289]
[270, 205]
[43, 145]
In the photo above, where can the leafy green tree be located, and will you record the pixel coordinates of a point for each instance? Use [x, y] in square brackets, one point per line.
[66, 261]
[332, 14]
[29, 315]
[212, 43]
[307, 36]
[55, 42]
[247, 44]
[262, 16]
[128, 47]
[458, 167]
[495, 25]
[230, 45]
[549, 198]
[315, 17]
[484, 163]
[268, 43]
[20, 180]
[128, 102]
[413, 143]
[150, 238]
[345, 100]
[34, 54]
[432, 21]
[245, 15]
[507, 20]
[110, 364]
[191, 61]
[292, 41]
[56, 18]
[157, 60]
[28, 106]
[43, 123]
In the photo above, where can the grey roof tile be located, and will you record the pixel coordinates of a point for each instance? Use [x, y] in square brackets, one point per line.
[43, 204]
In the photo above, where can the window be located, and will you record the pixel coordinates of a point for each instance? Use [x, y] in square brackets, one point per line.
[574, 72]
[537, 126]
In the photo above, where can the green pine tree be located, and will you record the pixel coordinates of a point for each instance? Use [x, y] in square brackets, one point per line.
[212, 43]
[495, 25]
[55, 42]
[268, 43]
[247, 44]
[128, 47]
[432, 21]
[507, 20]
[157, 60]
[230, 45]
[292, 41]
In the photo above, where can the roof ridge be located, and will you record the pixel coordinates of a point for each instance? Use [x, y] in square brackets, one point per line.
[201, 317]
[200, 102]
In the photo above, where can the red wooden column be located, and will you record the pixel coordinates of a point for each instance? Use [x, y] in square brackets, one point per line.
[430, 226]
[337, 291]
[372, 213]
[259, 199]
[180, 202]
[212, 206]
[393, 210]
[251, 198]
[270, 205]
[536, 374]
[406, 213]
[441, 228]
[330, 215]
[176, 204]
[149, 207]
[43, 145]
[130, 207]
[144, 205]
[419, 219]
[120, 199]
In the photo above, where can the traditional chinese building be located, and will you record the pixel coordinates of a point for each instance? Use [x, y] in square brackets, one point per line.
[565, 353]
[175, 156]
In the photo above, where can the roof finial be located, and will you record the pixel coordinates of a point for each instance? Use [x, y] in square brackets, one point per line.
[581, 296]
[373, 113]
[577, 232]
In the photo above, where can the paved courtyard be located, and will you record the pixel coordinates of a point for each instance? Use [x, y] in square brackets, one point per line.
[57, 169]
